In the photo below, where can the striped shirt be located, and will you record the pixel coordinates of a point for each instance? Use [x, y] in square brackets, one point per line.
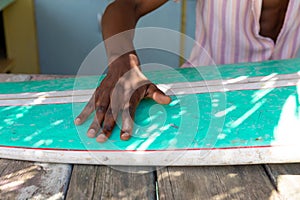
[227, 31]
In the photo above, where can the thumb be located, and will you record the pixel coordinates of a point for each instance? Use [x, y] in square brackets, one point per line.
[157, 95]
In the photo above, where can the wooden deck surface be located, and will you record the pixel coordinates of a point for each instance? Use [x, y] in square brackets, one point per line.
[31, 180]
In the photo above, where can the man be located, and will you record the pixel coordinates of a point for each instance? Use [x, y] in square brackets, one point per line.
[231, 31]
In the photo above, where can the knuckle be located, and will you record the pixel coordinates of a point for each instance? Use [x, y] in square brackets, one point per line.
[101, 109]
[90, 105]
[82, 115]
[107, 128]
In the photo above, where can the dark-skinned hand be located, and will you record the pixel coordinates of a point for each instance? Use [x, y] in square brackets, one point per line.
[121, 90]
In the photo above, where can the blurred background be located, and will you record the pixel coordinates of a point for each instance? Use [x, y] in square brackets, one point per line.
[55, 36]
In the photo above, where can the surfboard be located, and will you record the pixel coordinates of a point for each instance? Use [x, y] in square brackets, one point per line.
[219, 115]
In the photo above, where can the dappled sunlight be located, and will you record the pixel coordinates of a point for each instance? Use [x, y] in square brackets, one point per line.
[165, 127]
[173, 143]
[183, 111]
[42, 142]
[16, 179]
[56, 123]
[226, 111]
[151, 138]
[151, 128]
[19, 113]
[288, 127]
[44, 94]
[260, 94]
[150, 119]
[30, 137]
[298, 92]
[235, 80]
[147, 130]
[8, 108]
[133, 145]
[129, 193]
[180, 92]
[155, 120]
[229, 193]
[269, 77]
[221, 136]
[39, 100]
[185, 122]
[40, 126]
[9, 121]
[288, 184]
[231, 175]
[56, 196]
[170, 174]
[174, 102]
[268, 84]
[261, 117]
[23, 109]
[246, 115]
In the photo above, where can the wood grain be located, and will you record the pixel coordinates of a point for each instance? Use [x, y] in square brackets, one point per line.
[225, 182]
[28, 180]
[14, 77]
[102, 182]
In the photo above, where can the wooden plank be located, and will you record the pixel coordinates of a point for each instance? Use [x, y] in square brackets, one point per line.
[230, 182]
[103, 182]
[30, 180]
[14, 77]
[286, 178]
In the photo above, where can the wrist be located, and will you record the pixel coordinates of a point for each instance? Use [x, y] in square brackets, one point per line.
[127, 60]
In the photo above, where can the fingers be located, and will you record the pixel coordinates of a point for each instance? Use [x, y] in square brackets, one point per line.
[94, 128]
[127, 124]
[157, 95]
[128, 116]
[96, 124]
[101, 109]
[105, 118]
[108, 124]
[85, 113]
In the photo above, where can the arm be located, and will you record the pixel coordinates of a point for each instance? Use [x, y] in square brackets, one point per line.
[125, 85]
[125, 15]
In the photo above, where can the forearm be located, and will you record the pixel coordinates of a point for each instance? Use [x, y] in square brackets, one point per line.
[124, 86]
[119, 21]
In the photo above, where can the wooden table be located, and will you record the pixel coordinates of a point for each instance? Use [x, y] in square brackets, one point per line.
[31, 180]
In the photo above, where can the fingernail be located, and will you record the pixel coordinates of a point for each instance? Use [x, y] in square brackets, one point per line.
[125, 136]
[91, 133]
[77, 121]
[101, 138]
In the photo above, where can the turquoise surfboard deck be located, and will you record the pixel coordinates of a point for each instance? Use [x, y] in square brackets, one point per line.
[238, 120]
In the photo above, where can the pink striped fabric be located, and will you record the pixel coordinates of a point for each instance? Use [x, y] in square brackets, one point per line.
[227, 31]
